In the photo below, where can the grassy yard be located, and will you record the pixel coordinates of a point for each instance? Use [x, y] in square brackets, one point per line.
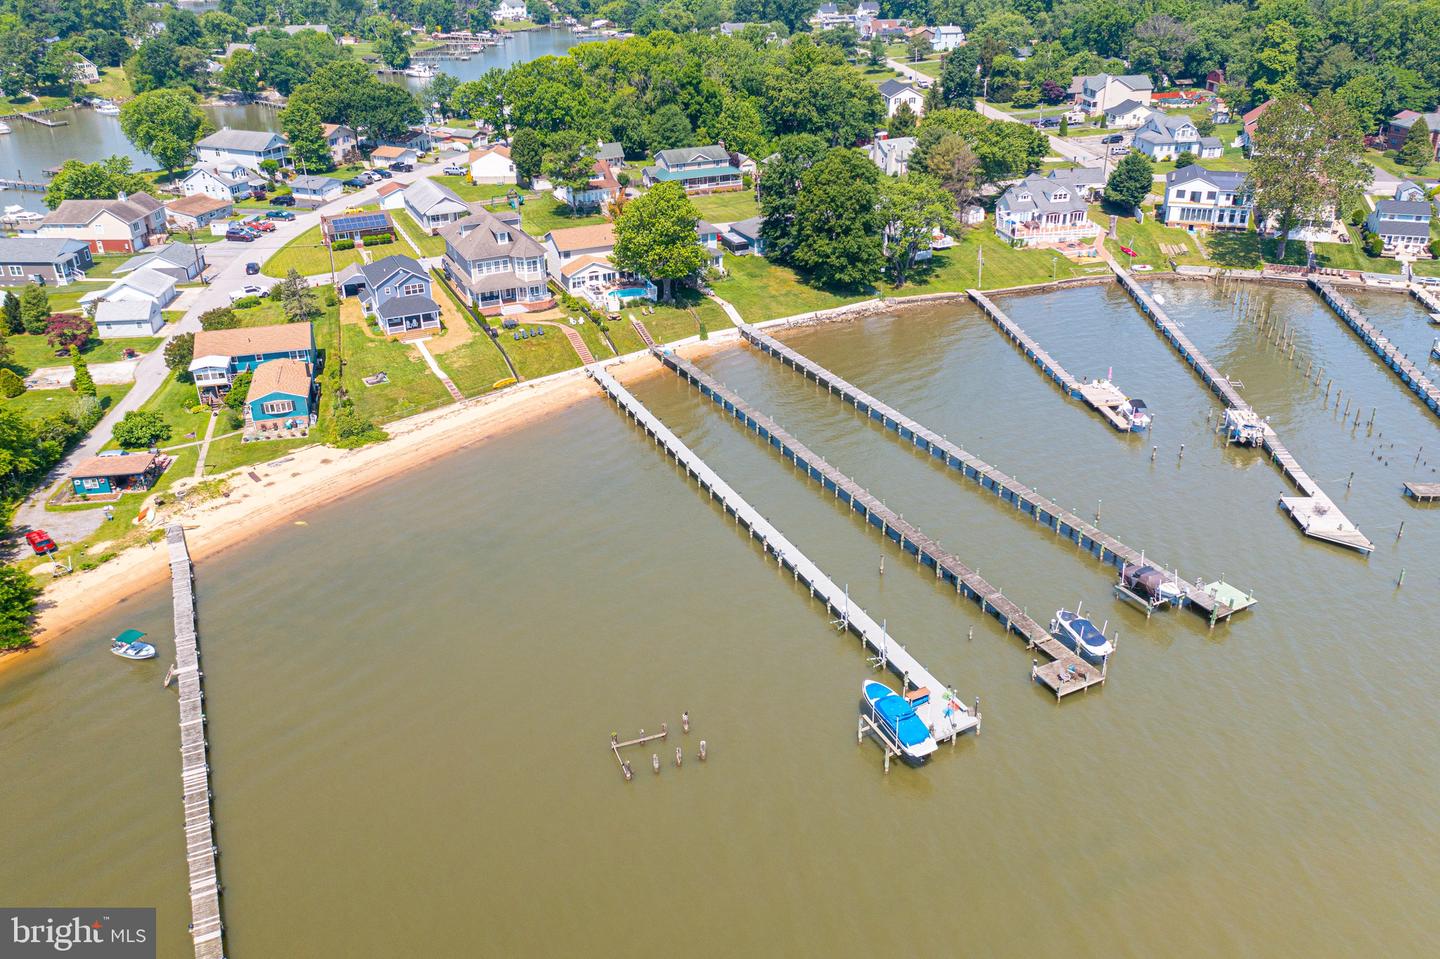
[670, 323]
[539, 356]
[103, 267]
[544, 213]
[308, 254]
[466, 353]
[429, 245]
[412, 388]
[113, 85]
[762, 290]
[34, 404]
[66, 299]
[727, 207]
[232, 452]
[624, 336]
[1386, 161]
[175, 402]
[30, 352]
[470, 192]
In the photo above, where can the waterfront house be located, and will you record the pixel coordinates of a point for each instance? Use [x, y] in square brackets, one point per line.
[390, 154]
[509, 11]
[341, 140]
[356, 226]
[896, 92]
[570, 243]
[1397, 128]
[1089, 182]
[222, 355]
[496, 265]
[1098, 93]
[248, 148]
[222, 181]
[706, 169]
[182, 262]
[121, 318]
[948, 38]
[396, 292]
[1039, 211]
[434, 205]
[744, 237]
[602, 191]
[1403, 226]
[1197, 198]
[315, 191]
[110, 476]
[82, 71]
[708, 235]
[1164, 137]
[122, 225]
[50, 261]
[892, 156]
[279, 390]
[196, 212]
[144, 284]
[1126, 115]
[492, 164]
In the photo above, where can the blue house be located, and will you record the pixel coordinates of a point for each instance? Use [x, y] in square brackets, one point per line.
[109, 476]
[396, 291]
[221, 355]
[280, 390]
[707, 169]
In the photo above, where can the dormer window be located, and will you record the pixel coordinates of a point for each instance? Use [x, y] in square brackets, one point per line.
[1023, 196]
[502, 237]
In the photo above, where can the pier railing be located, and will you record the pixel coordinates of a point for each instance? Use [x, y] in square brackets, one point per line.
[1409, 373]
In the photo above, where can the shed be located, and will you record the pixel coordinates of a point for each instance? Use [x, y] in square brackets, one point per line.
[114, 474]
[118, 318]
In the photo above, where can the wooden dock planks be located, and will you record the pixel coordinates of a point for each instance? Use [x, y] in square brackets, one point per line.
[1423, 492]
[1409, 373]
[789, 556]
[927, 552]
[1101, 545]
[1315, 513]
[206, 927]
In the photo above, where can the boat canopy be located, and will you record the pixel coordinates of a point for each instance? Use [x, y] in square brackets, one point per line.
[130, 636]
[899, 716]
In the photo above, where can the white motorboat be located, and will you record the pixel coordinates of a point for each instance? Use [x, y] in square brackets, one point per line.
[1080, 635]
[895, 714]
[131, 645]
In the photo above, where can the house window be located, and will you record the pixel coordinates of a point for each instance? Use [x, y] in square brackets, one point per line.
[90, 483]
[389, 290]
[16, 270]
[278, 407]
[413, 289]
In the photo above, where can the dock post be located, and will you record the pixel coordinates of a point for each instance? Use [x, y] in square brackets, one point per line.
[1402, 531]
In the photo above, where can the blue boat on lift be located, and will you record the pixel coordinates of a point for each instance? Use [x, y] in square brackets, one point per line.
[896, 716]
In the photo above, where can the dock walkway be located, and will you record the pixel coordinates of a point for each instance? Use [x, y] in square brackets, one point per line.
[1065, 673]
[1103, 398]
[1409, 373]
[945, 714]
[1050, 514]
[206, 927]
[1315, 513]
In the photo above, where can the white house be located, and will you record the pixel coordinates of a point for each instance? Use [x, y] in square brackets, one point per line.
[82, 71]
[197, 212]
[182, 262]
[1101, 92]
[896, 92]
[315, 190]
[492, 165]
[249, 148]
[221, 181]
[598, 195]
[119, 318]
[1197, 198]
[390, 154]
[147, 284]
[1403, 226]
[1126, 115]
[434, 205]
[571, 243]
[1039, 211]
[947, 39]
[1089, 182]
[1165, 137]
[892, 156]
[509, 11]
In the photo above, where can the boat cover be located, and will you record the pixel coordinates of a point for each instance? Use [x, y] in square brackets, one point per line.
[130, 636]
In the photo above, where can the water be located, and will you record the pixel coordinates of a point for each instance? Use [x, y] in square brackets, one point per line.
[410, 696]
[522, 47]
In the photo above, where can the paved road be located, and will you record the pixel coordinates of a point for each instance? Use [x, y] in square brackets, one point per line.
[1062, 147]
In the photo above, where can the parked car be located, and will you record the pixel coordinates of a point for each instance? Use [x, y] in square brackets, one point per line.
[454, 169]
[284, 199]
[252, 268]
[264, 226]
[400, 167]
[1113, 138]
[280, 215]
[257, 194]
[383, 173]
[245, 291]
[240, 234]
[356, 183]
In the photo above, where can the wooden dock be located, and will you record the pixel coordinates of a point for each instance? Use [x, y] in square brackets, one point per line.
[206, 926]
[23, 186]
[1103, 546]
[945, 721]
[1409, 373]
[1315, 513]
[1104, 399]
[1065, 673]
[1427, 300]
[1423, 492]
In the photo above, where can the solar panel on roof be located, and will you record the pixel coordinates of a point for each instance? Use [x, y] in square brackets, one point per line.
[360, 221]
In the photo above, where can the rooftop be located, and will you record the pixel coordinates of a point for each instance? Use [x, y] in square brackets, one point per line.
[291, 377]
[247, 141]
[37, 249]
[254, 340]
[197, 204]
[583, 237]
[130, 464]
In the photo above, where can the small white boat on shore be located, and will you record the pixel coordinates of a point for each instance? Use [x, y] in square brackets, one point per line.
[4, 127]
[131, 645]
[106, 108]
[1080, 635]
[420, 71]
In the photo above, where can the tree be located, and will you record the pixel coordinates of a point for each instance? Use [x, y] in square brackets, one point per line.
[567, 163]
[141, 429]
[1417, 151]
[956, 167]
[306, 133]
[242, 72]
[239, 390]
[876, 51]
[12, 384]
[165, 124]
[912, 208]
[527, 152]
[918, 49]
[11, 318]
[441, 90]
[1186, 158]
[1305, 162]
[902, 122]
[103, 180]
[69, 331]
[84, 383]
[1065, 125]
[392, 44]
[220, 318]
[837, 222]
[1007, 150]
[34, 308]
[779, 189]
[18, 592]
[655, 236]
[667, 128]
[298, 298]
[179, 352]
[1130, 181]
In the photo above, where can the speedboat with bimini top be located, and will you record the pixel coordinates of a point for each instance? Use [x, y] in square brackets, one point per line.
[1080, 635]
[1134, 412]
[895, 715]
[131, 645]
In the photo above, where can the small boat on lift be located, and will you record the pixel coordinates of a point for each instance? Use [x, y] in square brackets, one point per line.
[895, 714]
[1136, 413]
[131, 645]
[1147, 586]
[1244, 428]
[1080, 635]
[420, 71]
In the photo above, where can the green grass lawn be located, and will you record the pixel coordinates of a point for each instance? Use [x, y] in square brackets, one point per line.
[308, 254]
[877, 75]
[470, 192]
[175, 402]
[678, 322]
[762, 290]
[232, 452]
[1232, 159]
[624, 336]
[544, 213]
[412, 388]
[1386, 161]
[113, 85]
[429, 245]
[476, 366]
[727, 207]
[66, 299]
[539, 356]
[34, 404]
[30, 352]
[103, 267]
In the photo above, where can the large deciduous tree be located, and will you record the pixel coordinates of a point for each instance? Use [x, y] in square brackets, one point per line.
[837, 221]
[958, 78]
[912, 208]
[102, 180]
[1130, 181]
[1305, 162]
[165, 124]
[655, 236]
[568, 163]
[956, 167]
[306, 133]
[779, 189]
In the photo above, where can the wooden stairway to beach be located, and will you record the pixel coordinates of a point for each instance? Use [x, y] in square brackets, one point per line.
[586, 357]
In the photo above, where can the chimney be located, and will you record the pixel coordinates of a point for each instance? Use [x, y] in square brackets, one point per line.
[121, 196]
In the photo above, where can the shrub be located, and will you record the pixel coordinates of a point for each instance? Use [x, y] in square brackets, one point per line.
[1374, 245]
[343, 244]
[1435, 248]
[239, 388]
[234, 420]
[275, 292]
[1186, 158]
[84, 383]
[246, 303]
[379, 239]
[220, 318]
[141, 429]
[11, 383]
[352, 430]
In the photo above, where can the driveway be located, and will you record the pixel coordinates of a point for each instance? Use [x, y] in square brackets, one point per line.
[104, 374]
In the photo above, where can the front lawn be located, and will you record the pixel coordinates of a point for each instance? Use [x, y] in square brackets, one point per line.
[66, 299]
[470, 192]
[102, 267]
[411, 387]
[429, 245]
[113, 85]
[35, 404]
[475, 367]
[544, 213]
[727, 207]
[175, 401]
[30, 351]
[1386, 161]
[308, 254]
[762, 290]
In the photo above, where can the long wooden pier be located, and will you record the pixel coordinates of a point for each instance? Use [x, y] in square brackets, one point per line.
[1409, 373]
[1427, 300]
[1104, 399]
[23, 186]
[1315, 513]
[206, 926]
[1043, 510]
[945, 714]
[1065, 673]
